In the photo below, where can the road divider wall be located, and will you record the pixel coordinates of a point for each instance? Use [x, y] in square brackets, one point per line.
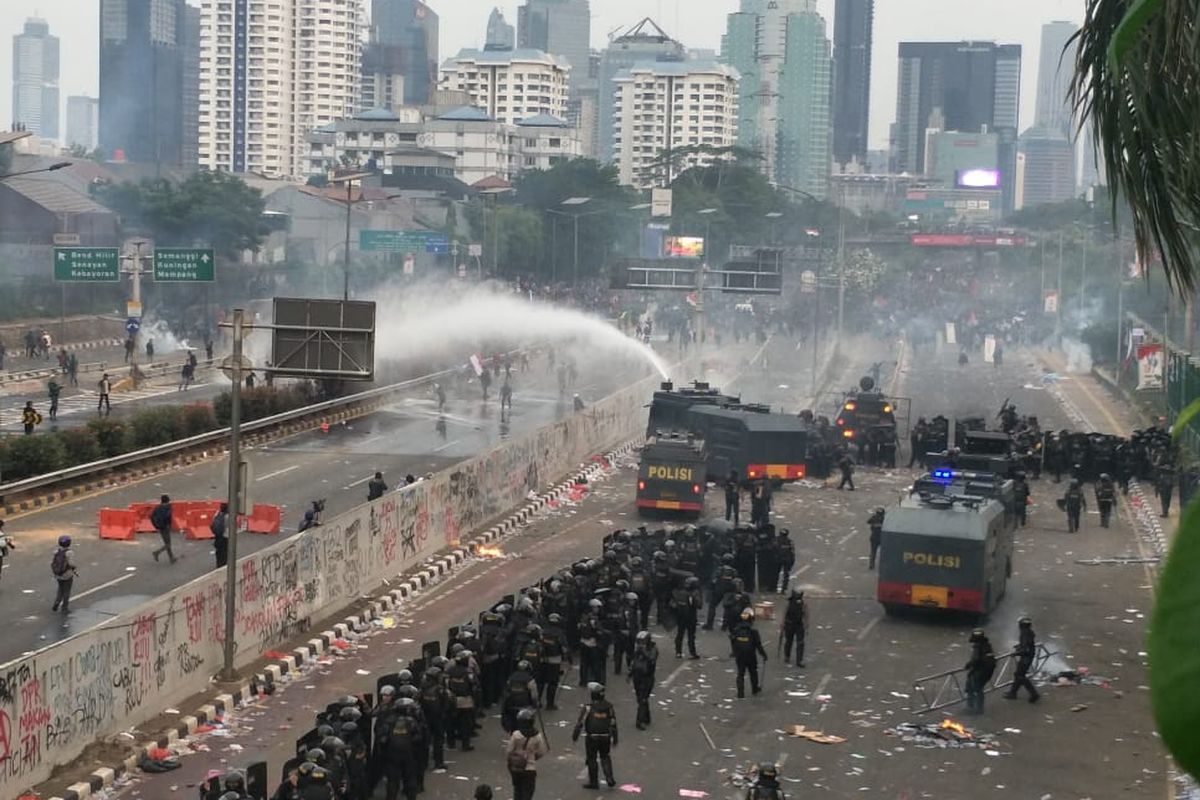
[56, 702]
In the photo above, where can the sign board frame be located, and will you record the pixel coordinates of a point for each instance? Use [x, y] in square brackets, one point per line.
[323, 339]
[385, 241]
[661, 202]
[201, 259]
[107, 259]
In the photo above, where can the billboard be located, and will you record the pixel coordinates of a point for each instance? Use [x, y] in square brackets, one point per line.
[683, 247]
[323, 339]
[977, 178]
[660, 202]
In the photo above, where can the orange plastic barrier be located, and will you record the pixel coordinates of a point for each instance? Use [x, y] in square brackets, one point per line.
[264, 519]
[195, 523]
[142, 512]
[117, 523]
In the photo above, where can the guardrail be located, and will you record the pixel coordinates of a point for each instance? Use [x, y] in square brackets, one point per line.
[93, 467]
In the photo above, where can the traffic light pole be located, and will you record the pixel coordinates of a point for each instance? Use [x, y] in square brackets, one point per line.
[235, 492]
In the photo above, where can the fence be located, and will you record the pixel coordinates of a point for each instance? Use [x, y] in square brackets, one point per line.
[1180, 380]
[56, 702]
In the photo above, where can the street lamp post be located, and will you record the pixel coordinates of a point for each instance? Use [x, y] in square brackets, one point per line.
[572, 201]
[349, 181]
[51, 168]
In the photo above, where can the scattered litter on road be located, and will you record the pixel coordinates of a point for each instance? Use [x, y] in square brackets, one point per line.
[801, 732]
[630, 788]
[944, 734]
[362, 671]
[692, 793]
[1117, 560]
[1079, 707]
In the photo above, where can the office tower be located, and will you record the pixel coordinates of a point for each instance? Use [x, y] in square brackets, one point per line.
[1047, 167]
[35, 79]
[500, 34]
[1056, 65]
[853, 23]
[82, 121]
[561, 28]
[400, 60]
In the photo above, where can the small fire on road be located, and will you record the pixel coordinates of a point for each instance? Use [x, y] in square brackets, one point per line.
[490, 551]
[957, 728]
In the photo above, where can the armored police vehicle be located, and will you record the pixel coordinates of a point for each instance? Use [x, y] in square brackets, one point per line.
[672, 476]
[949, 544]
[670, 406]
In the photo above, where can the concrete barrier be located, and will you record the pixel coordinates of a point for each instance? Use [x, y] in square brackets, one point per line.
[59, 700]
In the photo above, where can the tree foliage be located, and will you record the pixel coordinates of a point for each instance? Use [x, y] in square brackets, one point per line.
[207, 208]
[1137, 86]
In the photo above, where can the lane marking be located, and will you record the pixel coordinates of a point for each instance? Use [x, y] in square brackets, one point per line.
[847, 538]
[671, 678]
[358, 482]
[447, 444]
[866, 629]
[276, 473]
[113, 582]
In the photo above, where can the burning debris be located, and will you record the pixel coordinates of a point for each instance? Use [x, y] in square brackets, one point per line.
[1074, 677]
[947, 733]
[489, 551]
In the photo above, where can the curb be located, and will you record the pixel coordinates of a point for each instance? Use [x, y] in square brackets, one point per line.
[434, 569]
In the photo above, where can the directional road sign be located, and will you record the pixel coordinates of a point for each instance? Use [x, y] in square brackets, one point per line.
[132, 325]
[86, 264]
[380, 241]
[183, 265]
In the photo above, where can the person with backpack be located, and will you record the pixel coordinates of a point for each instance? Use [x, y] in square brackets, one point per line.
[525, 746]
[62, 565]
[795, 624]
[747, 647]
[103, 390]
[220, 531]
[6, 544]
[402, 733]
[519, 692]
[30, 418]
[642, 667]
[162, 520]
[598, 720]
[979, 670]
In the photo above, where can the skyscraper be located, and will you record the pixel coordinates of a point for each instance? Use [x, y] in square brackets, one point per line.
[82, 121]
[500, 35]
[971, 85]
[561, 28]
[269, 77]
[782, 52]
[644, 42]
[35, 79]
[402, 51]
[853, 24]
[1056, 65]
[143, 50]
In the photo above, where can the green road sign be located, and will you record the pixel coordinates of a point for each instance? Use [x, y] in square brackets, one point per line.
[379, 241]
[183, 265]
[90, 264]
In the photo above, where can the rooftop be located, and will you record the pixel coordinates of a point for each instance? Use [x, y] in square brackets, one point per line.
[467, 114]
[543, 121]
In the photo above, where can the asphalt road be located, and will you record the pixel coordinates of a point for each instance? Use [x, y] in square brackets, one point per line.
[1079, 742]
[398, 440]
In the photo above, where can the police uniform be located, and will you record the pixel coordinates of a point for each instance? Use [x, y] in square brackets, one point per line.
[598, 724]
[747, 647]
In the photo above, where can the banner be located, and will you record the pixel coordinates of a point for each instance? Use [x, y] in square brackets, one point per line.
[1050, 301]
[1150, 365]
[989, 348]
[951, 338]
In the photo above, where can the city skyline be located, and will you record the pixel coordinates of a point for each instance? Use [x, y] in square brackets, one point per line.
[1017, 21]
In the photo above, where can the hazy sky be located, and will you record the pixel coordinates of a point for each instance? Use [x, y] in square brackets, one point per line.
[697, 23]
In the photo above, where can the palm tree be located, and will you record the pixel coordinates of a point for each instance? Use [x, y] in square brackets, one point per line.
[1137, 85]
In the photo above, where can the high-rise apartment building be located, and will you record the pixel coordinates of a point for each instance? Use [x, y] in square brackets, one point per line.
[853, 25]
[400, 59]
[661, 105]
[510, 85]
[1045, 168]
[782, 52]
[35, 79]
[1056, 65]
[500, 34]
[83, 123]
[644, 42]
[149, 98]
[970, 86]
[269, 77]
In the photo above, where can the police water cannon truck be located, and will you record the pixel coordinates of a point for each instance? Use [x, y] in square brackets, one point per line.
[949, 543]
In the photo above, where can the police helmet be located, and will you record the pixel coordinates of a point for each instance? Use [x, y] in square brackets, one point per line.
[784, 533]
[456, 648]
[692, 582]
[467, 632]
[727, 558]
[387, 691]
[347, 700]
[526, 715]
[1104, 476]
[631, 597]
[636, 562]
[619, 548]
[234, 781]
[305, 770]
[316, 755]
[64, 541]
[230, 796]
[349, 730]
[659, 555]
[597, 690]
[595, 604]
[880, 510]
[504, 608]
[669, 545]
[406, 705]
[409, 691]
[555, 585]
[533, 629]
[768, 770]
[610, 555]
[332, 744]
[463, 657]
[1025, 622]
[319, 774]
[405, 676]
[324, 730]
[524, 665]
[643, 636]
[593, 565]
[534, 591]
[1074, 483]
[441, 662]
[622, 585]
[433, 674]
[554, 619]
[747, 614]
[483, 792]
[977, 635]
[689, 530]
[797, 594]
[349, 714]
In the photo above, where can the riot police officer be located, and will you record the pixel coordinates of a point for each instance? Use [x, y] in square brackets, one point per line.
[1020, 497]
[1074, 504]
[721, 587]
[598, 722]
[554, 650]
[627, 627]
[436, 705]
[519, 692]
[639, 582]
[785, 551]
[875, 523]
[980, 668]
[795, 625]
[766, 784]
[1024, 653]
[591, 654]
[747, 647]
[686, 602]
[1106, 498]
[461, 683]
[641, 672]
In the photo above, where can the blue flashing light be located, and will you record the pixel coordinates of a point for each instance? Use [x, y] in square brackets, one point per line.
[943, 475]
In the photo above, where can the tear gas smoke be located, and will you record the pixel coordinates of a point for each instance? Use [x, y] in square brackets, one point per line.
[1079, 356]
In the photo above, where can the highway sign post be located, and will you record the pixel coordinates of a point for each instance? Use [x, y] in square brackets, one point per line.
[86, 264]
[184, 265]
